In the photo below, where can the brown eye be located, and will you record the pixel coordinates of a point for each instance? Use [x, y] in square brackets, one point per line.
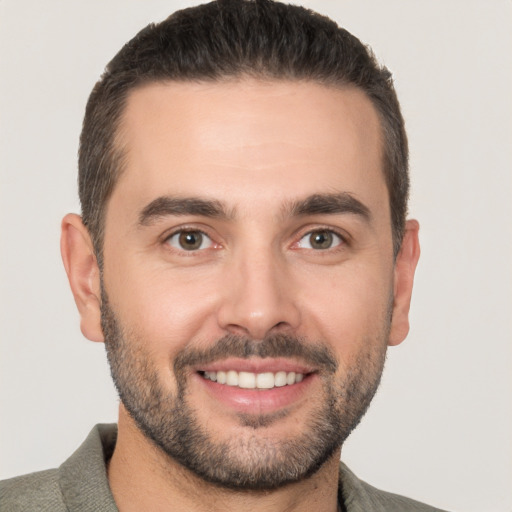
[319, 240]
[190, 241]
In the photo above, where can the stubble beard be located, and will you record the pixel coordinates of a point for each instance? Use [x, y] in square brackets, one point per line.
[252, 461]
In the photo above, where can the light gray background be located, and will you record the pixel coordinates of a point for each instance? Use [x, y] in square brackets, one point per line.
[440, 427]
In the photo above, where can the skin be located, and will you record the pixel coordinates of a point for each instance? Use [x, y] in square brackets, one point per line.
[256, 147]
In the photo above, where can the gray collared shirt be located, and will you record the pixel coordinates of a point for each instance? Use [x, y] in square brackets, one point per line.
[80, 484]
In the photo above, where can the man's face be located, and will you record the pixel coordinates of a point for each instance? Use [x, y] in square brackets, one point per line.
[249, 240]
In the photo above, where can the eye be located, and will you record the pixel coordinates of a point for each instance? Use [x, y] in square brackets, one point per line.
[320, 239]
[192, 240]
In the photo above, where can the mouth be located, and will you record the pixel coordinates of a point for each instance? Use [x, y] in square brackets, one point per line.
[251, 380]
[257, 386]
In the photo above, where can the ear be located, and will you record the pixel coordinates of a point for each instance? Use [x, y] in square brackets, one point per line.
[405, 266]
[83, 274]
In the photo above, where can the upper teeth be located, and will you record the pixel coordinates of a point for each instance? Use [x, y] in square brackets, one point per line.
[250, 380]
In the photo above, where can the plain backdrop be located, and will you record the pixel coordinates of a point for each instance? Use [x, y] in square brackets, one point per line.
[440, 427]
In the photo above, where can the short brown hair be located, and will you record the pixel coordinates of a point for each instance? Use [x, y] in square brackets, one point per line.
[231, 38]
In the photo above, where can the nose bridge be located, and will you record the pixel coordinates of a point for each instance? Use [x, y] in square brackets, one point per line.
[258, 295]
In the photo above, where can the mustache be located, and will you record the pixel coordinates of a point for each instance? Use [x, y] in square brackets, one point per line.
[278, 345]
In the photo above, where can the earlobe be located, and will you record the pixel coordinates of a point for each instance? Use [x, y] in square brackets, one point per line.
[405, 267]
[83, 274]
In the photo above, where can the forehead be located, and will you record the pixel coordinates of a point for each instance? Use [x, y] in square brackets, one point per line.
[235, 139]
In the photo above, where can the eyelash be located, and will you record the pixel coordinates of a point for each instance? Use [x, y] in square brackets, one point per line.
[343, 240]
[188, 230]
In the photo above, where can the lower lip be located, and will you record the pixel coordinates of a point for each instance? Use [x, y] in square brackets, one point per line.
[257, 401]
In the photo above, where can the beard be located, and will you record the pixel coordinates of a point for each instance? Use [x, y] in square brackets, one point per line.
[254, 461]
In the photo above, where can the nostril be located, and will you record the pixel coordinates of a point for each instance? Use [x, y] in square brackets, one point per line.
[280, 328]
[237, 330]
[256, 314]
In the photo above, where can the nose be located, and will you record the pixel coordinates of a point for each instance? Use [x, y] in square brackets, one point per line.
[258, 297]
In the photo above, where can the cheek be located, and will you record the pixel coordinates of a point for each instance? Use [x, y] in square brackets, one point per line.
[163, 307]
[350, 307]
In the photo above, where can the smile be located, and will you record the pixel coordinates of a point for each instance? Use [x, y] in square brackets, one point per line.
[249, 380]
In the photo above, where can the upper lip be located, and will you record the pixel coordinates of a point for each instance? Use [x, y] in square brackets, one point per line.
[256, 365]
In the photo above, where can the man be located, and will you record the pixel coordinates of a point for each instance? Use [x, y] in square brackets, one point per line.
[243, 252]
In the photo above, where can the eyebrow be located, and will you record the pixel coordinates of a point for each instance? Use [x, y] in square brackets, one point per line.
[316, 204]
[169, 205]
[329, 204]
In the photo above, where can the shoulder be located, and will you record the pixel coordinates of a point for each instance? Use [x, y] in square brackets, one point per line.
[395, 502]
[80, 483]
[36, 491]
[358, 496]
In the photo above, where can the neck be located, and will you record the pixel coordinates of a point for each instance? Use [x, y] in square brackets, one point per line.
[141, 477]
